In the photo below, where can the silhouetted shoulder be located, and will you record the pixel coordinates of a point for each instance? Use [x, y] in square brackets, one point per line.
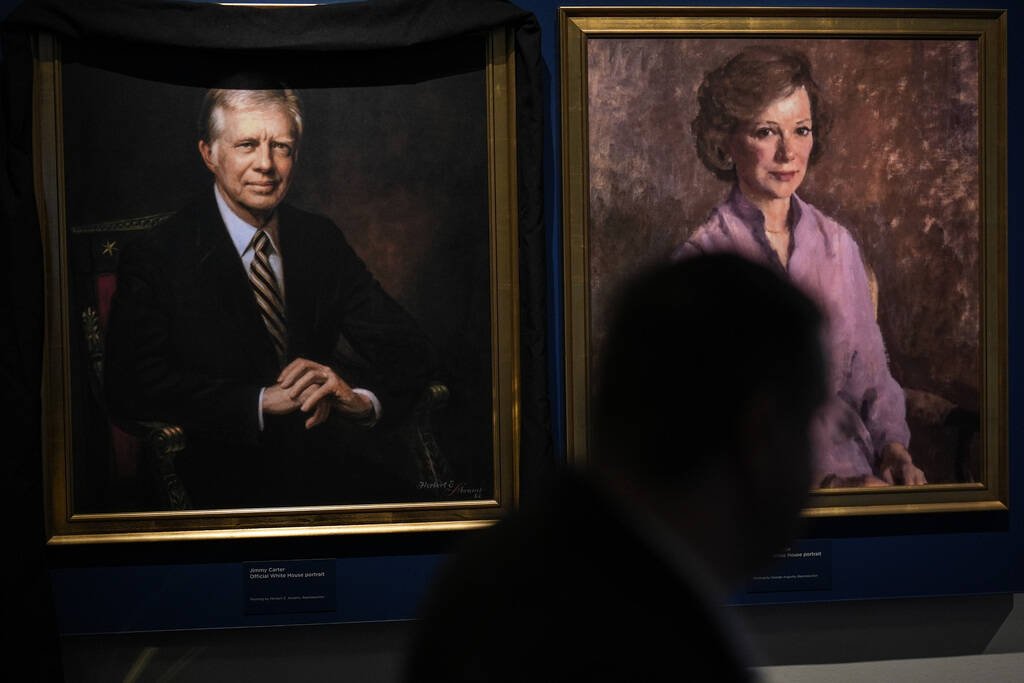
[567, 591]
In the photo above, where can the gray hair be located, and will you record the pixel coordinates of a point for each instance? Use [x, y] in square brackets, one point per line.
[217, 100]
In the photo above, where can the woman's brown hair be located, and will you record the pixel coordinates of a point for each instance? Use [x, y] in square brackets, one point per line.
[744, 86]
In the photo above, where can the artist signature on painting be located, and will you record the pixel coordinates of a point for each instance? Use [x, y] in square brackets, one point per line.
[452, 488]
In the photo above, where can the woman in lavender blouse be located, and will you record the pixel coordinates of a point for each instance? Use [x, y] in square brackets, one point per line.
[762, 122]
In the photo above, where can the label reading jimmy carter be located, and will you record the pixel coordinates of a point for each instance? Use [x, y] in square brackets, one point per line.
[289, 586]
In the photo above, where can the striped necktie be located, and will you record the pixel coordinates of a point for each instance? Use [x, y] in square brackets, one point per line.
[268, 294]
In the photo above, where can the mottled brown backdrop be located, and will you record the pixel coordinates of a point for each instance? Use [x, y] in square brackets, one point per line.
[900, 172]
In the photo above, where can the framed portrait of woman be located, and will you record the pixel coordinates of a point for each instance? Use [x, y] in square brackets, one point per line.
[858, 152]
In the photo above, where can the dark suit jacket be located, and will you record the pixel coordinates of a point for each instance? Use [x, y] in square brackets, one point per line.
[186, 344]
[569, 591]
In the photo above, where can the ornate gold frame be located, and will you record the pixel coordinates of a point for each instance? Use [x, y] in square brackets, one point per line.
[577, 25]
[66, 527]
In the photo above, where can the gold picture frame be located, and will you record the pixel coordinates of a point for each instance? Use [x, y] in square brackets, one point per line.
[463, 505]
[624, 159]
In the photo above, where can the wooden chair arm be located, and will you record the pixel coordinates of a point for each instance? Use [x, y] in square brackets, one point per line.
[161, 443]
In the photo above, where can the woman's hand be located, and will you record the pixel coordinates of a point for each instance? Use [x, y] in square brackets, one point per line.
[897, 467]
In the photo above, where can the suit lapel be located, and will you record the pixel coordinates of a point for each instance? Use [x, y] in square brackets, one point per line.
[222, 277]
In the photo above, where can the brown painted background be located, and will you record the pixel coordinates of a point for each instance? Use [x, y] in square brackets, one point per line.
[900, 172]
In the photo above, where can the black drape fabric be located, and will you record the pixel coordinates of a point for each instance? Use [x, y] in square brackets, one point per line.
[372, 27]
[31, 619]
[537, 463]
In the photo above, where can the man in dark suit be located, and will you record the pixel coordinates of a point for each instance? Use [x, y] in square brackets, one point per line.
[700, 464]
[226, 320]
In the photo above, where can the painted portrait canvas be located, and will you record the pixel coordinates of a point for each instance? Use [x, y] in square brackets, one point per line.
[896, 184]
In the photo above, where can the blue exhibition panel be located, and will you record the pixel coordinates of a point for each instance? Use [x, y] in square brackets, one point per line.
[118, 599]
[970, 553]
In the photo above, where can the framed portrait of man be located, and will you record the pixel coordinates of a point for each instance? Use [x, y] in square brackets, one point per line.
[282, 287]
[857, 152]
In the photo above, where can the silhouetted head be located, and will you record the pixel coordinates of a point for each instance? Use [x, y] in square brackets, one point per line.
[712, 370]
